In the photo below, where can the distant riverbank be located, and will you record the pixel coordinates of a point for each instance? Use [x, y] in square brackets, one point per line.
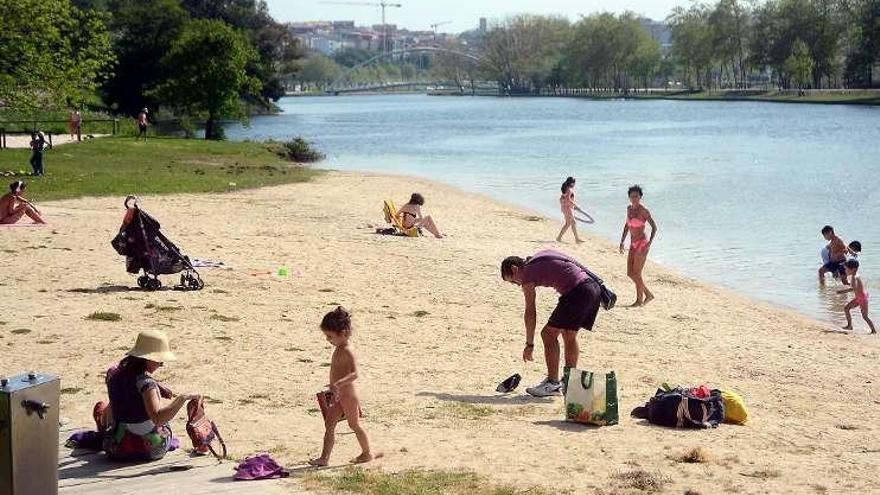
[832, 97]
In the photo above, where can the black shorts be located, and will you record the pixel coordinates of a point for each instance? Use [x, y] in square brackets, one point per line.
[578, 308]
[835, 268]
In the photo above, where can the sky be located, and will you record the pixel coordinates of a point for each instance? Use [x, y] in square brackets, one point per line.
[461, 14]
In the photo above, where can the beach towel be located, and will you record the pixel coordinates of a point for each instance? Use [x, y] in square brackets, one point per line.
[260, 467]
[590, 398]
[208, 264]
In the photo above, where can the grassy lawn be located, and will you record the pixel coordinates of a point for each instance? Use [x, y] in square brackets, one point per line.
[121, 166]
[854, 97]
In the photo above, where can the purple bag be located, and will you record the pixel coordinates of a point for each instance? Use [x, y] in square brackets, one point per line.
[261, 467]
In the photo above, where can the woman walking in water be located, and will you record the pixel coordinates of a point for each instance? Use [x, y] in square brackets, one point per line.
[568, 206]
[636, 218]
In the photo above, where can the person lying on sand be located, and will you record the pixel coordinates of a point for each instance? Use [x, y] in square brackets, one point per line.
[344, 404]
[858, 286]
[135, 421]
[13, 205]
[577, 308]
[411, 216]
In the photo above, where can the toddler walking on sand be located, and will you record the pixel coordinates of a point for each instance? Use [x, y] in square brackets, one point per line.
[861, 291]
[344, 403]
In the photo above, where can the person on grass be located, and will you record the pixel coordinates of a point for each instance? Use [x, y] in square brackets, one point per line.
[344, 403]
[13, 205]
[580, 296]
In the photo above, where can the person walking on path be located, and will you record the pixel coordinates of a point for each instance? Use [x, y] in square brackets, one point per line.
[580, 297]
[142, 123]
[38, 145]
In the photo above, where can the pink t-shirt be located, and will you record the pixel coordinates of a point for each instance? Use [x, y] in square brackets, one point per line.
[560, 274]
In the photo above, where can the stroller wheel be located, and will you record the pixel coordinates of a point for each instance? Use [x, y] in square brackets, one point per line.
[143, 281]
[196, 283]
[154, 284]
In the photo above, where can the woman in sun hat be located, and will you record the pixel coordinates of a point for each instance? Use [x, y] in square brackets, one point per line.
[135, 422]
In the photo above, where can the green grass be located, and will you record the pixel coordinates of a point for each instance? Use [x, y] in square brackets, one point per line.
[854, 97]
[413, 482]
[120, 166]
[102, 316]
[70, 390]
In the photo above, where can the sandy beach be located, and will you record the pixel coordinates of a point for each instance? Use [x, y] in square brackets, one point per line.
[437, 330]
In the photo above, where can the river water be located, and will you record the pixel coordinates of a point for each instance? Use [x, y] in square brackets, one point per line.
[740, 190]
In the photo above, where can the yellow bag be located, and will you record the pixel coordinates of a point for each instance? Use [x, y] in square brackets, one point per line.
[735, 410]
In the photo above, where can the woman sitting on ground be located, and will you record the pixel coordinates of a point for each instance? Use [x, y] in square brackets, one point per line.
[135, 422]
[411, 216]
[13, 206]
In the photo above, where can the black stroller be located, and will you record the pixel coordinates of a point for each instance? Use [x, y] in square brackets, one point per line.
[145, 248]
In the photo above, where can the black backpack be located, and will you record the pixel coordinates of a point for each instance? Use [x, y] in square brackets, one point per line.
[607, 296]
[678, 409]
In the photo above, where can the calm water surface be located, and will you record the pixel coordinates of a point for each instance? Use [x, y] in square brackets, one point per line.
[740, 190]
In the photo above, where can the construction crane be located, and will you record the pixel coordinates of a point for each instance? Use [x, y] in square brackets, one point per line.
[436, 25]
[383, 4]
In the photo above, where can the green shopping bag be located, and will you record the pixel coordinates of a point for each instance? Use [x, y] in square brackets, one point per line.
[590, 398]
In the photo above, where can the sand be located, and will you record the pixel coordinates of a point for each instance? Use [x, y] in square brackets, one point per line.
[24, 140]
[437, 329]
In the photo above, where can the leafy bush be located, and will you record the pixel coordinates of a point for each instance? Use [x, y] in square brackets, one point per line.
[296, 150]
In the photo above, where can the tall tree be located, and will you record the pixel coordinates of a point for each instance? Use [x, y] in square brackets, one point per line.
[143, 32]
[692, 43]
[51, 53]
[522, 52]
[207, 73]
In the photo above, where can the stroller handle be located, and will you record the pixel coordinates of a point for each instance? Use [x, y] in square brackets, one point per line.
[128, 198]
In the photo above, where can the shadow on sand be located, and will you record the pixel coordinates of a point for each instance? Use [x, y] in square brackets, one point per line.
[566, 425]
[508, 399]
[105, 289]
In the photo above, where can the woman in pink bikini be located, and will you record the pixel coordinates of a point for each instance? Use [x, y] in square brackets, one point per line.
[636, 218]
[861, 299]
[568, 205]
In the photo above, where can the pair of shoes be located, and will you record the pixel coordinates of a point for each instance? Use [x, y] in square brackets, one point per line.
[545, 389]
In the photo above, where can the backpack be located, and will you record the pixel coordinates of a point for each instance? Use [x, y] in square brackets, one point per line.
[677, 408]
[607, 296]
[201, 430]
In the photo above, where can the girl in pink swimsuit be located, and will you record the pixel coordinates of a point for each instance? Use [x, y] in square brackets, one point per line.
[568, 206]
[861, 298]
[637, 216]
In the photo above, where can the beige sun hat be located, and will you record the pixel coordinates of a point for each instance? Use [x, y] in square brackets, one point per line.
[152, 345]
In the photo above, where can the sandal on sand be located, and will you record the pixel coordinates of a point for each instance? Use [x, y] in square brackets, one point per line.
[509, 385]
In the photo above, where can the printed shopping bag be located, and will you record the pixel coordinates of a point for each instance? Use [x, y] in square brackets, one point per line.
[590, 398]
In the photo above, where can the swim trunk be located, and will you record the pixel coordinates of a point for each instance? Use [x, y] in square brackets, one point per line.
[836, 268]
[577, 308]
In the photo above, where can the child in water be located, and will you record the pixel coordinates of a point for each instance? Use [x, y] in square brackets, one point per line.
[861, 299]
[568, 206]
[344, 404]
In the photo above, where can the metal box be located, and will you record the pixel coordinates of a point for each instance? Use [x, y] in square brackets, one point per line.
[29, 430]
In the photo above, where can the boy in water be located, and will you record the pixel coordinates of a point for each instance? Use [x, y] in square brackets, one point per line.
[837, 256]
[344, 404]
[861, 299]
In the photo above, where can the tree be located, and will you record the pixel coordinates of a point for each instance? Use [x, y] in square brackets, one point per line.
[692, 43]
[207, 73]
[51, 53]
[320, 71]
[799, 65]
[523, 52]
[143, 32]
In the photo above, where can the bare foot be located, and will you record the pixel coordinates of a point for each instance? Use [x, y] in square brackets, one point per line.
[319, 462]
[559, 239]
[363, 458]
[648, 298]
[848, 327]
[636, 304]
[579, 241]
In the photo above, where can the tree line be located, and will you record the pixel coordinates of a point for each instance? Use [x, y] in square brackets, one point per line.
[205, 59]
[726, 44]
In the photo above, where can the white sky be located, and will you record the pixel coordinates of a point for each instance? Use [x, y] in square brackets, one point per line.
[463, 14]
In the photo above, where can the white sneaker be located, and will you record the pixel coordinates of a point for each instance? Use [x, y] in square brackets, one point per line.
[545, 388]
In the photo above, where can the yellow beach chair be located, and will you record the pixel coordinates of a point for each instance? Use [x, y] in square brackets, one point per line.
[392, 217]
